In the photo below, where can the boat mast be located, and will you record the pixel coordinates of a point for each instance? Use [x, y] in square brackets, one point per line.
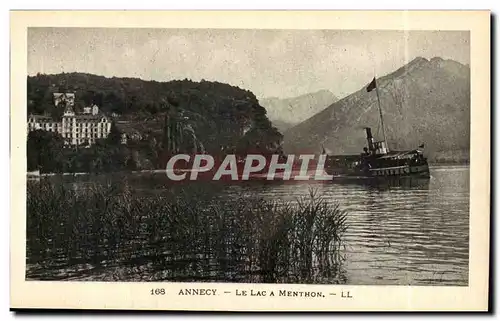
[380, 111]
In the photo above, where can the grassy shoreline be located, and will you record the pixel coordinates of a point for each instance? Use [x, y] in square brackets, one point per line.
[112, 233]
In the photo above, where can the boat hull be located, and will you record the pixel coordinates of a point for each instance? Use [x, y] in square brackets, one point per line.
[419, 170]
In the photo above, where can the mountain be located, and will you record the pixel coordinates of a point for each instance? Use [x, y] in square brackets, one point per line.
[285, 113]
[425, 101]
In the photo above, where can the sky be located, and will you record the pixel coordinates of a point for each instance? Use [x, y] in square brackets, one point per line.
[270, 63]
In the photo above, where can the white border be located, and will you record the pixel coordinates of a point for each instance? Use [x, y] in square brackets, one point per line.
[478, 4]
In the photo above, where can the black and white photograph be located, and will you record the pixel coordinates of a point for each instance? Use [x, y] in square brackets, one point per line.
[108, 107]
[248, 156]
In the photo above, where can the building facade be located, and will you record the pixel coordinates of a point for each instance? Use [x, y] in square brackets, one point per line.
[76, 129]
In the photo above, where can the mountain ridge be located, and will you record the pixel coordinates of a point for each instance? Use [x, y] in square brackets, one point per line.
[424, 101]
[287, 112]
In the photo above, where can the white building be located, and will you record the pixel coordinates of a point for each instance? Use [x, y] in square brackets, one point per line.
[66, 98]
[76, 129]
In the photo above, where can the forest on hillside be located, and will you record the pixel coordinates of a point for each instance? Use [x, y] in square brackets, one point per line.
[209, 117]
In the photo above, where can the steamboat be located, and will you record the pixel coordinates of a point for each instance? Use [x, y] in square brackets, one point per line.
[377, 161]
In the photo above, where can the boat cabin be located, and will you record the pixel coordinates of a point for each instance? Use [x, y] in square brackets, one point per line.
[375, 148]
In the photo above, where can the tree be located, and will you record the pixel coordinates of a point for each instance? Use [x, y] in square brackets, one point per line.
[190, 115]
[88, 97]
[115, 135]
[45, 151]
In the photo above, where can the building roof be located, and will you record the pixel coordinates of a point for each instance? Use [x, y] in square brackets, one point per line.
[79, 116]
[69, 109]
[39, 116]
[126, 129]
[69, 95]
[90, 117]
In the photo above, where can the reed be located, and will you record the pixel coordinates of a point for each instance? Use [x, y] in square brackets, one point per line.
[184, 234]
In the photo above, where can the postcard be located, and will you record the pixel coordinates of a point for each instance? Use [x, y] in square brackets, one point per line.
[250, 160]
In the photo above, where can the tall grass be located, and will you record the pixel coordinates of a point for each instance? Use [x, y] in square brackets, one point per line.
[187, 234]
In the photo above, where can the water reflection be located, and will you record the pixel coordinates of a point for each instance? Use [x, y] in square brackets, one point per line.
[402, 232]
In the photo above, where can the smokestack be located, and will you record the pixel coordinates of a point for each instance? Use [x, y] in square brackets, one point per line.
[369, 138]
[368, 133]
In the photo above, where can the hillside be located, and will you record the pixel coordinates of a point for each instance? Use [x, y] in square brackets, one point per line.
[217, 115]
[425, 101]
[285, 113]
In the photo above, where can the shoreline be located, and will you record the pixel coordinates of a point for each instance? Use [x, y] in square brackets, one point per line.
[157, 171]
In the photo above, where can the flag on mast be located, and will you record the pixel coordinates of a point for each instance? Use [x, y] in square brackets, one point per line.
[372, 85]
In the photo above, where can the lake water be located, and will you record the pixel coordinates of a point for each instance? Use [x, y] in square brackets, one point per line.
[400, 234]
[404, 234]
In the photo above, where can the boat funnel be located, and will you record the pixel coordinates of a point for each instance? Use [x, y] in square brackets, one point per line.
[369, 138]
